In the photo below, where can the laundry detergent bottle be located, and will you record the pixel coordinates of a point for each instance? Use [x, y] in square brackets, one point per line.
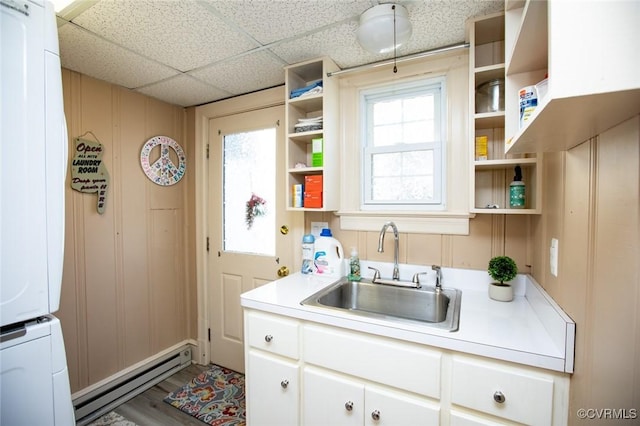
[328, 255]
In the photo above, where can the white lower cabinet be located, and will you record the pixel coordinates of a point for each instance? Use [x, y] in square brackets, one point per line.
[513, 393]
[465, 419]
[333, 399]
[273, 390]
[306, 373]
[330, 399]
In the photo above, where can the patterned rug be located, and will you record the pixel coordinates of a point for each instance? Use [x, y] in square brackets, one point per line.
[215, 396]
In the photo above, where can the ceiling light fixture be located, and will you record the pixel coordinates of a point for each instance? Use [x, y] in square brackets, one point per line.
[384, 28]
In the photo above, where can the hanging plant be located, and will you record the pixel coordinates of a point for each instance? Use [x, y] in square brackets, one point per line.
[255, 207]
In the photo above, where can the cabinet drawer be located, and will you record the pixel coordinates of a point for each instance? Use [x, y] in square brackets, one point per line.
[273, 334]
[527, 395]
[394, 363]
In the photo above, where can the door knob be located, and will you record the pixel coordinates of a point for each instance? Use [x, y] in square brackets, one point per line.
[283, 271]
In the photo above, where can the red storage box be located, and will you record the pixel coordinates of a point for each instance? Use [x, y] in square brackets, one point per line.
[313, 199]
[313, 183]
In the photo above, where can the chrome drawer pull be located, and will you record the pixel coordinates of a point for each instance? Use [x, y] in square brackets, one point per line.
[284, 383]
[348, 405]
[268, 338]
[499, 397]
[375, 415]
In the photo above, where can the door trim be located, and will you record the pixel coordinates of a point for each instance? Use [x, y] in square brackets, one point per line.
[253, 101]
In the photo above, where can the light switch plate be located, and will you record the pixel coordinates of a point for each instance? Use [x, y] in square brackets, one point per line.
[553, 257]
[317, 227]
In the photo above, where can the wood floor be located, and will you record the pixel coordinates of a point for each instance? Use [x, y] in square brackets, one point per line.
[148, 409]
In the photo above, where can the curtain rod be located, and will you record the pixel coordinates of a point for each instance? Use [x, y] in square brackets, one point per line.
[419, 55]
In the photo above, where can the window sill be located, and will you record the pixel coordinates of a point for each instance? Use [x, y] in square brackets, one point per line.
[422, 223]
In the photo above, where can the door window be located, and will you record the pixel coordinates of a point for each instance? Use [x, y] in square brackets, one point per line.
[249, 178]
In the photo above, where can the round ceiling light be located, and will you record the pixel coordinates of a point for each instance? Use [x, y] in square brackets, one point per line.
[384, 28]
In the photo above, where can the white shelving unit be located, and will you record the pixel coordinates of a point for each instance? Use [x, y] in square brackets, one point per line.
[298, 144]
[490, 179]
[589, 51]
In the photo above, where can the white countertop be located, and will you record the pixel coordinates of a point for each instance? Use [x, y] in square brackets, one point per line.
[532, 329]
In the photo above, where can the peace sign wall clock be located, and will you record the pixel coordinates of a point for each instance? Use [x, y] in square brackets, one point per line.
[163, 171]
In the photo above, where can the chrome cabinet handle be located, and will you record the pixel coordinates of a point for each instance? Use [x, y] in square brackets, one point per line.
[348, 405]
[268, 338]
[284, 383]
[375, 415]
[499, 397]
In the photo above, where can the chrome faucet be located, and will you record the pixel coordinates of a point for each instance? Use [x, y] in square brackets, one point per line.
[396, 271]
[438, 277]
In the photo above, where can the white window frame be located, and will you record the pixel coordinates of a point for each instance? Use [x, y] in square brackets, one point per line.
[434, 85]
[453, 219]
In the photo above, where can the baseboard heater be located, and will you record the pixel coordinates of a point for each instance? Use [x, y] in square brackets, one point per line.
[105, 398]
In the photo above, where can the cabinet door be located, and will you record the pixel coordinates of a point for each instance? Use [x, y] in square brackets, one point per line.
[330, 399]
[464, 419]
[273, 390]
[386, 407]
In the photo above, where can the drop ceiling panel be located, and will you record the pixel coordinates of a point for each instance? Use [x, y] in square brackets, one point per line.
[189, 52]
[244, 74]
[337, 42]
[431, 22]
[181, 34]
[269, 21]
[86, 53]
[184, 91]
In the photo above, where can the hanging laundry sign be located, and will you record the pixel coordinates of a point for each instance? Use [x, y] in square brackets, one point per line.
[163, 171]
[88, 173]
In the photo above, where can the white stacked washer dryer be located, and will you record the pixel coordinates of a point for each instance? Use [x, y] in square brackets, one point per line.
[34, 380]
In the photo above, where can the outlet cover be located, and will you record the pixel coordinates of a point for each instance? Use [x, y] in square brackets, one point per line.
[317, 227]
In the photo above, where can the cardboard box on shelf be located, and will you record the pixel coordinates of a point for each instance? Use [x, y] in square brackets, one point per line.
[481, 148]
[317, 152]
[296, 195]
[313, 183]
[313, 199]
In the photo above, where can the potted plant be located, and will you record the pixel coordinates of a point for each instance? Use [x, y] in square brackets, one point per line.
[502, 269]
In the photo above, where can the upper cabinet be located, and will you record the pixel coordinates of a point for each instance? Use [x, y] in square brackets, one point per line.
[312, 136]
[493, 171]
[588, 51]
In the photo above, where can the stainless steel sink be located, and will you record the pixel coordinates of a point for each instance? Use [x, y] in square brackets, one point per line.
[365, 299]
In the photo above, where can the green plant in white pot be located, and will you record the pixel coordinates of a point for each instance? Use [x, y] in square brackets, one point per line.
[502, 269]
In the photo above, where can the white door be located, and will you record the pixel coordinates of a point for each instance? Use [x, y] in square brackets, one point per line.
[251, 234]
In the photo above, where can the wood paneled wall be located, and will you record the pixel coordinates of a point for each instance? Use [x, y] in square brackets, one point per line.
[592, 206]
[489, 235]
[128, 288]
